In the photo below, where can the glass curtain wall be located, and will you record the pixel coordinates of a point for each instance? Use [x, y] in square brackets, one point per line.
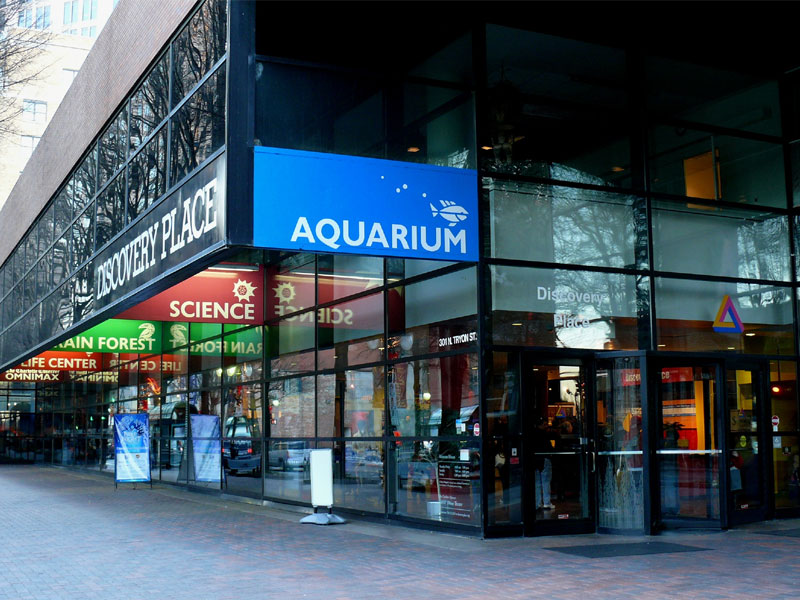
[644, 208]
[46, 284]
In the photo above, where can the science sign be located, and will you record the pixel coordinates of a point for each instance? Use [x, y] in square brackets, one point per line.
[218, 295]
[352, 205]
[132, 448]
[184, 225]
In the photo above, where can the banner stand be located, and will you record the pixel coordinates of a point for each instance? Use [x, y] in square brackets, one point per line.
[321, 469]
[132, 449]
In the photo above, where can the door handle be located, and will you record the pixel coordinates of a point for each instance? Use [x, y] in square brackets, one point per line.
[594, 460]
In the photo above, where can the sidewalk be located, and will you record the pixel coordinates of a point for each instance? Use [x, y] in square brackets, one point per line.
[71, 535]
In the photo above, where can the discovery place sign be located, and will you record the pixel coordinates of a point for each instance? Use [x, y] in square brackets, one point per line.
[347, 204]
[187, 223]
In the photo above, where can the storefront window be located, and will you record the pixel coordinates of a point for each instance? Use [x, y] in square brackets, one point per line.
[291, 407]
[438, 481]
[549, 115]
[620, 457]
[566, 309]
[359, 476]
[435, 397]
[708, 240]
[350, 333]
[693, 163]
[358, 115]
[558, 224]
[712, 96]
[721, 316]
[435, 315]
[342, 275]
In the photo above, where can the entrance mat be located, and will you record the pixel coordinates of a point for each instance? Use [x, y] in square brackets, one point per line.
[615, 550]
[784, 532]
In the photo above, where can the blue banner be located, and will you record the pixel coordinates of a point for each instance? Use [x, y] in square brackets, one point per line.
[206, 449]
[353, 205]
[132, 448]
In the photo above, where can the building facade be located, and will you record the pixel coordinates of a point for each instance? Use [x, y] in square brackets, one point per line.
[521, 279]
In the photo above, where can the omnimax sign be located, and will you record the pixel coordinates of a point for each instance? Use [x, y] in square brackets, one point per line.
[346, 204]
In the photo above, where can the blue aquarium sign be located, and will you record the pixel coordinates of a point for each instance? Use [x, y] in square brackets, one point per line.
[348, 204]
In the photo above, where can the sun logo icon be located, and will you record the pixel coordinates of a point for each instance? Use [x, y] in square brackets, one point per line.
[284, 293]
[243, 290]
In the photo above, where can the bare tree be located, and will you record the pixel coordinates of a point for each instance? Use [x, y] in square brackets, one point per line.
[23, 35]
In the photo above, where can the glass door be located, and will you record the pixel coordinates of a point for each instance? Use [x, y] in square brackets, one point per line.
[688, 448]
[620, 468]
[558, 459]
[745, 452]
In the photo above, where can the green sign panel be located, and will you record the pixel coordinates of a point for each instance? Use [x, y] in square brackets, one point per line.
[117, 335]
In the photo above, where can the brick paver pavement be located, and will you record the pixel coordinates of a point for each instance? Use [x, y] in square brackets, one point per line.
[70, 535]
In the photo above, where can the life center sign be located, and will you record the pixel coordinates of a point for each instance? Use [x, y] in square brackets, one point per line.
[187, 223]
[353, 205]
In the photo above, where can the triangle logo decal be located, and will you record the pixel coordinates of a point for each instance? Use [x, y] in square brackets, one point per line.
[727, 310]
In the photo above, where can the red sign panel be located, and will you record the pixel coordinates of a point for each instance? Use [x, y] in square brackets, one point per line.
[223, 294]
[668, 375]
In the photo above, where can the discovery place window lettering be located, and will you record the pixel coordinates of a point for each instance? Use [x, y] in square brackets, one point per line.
[569, 309]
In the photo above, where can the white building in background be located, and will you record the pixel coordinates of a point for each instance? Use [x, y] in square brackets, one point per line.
[74, 26]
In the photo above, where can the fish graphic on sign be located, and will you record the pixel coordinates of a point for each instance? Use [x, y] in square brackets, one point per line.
[450, 211]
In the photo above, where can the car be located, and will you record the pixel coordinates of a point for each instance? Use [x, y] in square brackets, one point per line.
[285, 456]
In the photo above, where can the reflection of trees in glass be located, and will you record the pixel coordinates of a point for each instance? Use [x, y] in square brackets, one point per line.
[147, 175]
[149, 103]
[198, 128]
[198, 47]
[763, 247]
[562, 225]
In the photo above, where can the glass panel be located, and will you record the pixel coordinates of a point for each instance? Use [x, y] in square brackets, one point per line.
[563, 225]
[287, 475]
[341, 275]
[712, 96]
[292, 286]
[198, 128]
[720, 241]
[198, 47]
[560, 468]
[355, 114]
[149, 102]
[555, 108]
[350, 333]
[688, 452]
[241, 461]
[620, 492]
[436, 480]
[291, 407]
[783, 395]
[351, 403]
[566, 309]
[358, 479]
[740, 317]
[403, 268]
[435, 397]
[241, 359]
[744, 462]
[147, 175]
[242, 412]
[434, 315]
[786, 470]
[111, 210]
[694, 163]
